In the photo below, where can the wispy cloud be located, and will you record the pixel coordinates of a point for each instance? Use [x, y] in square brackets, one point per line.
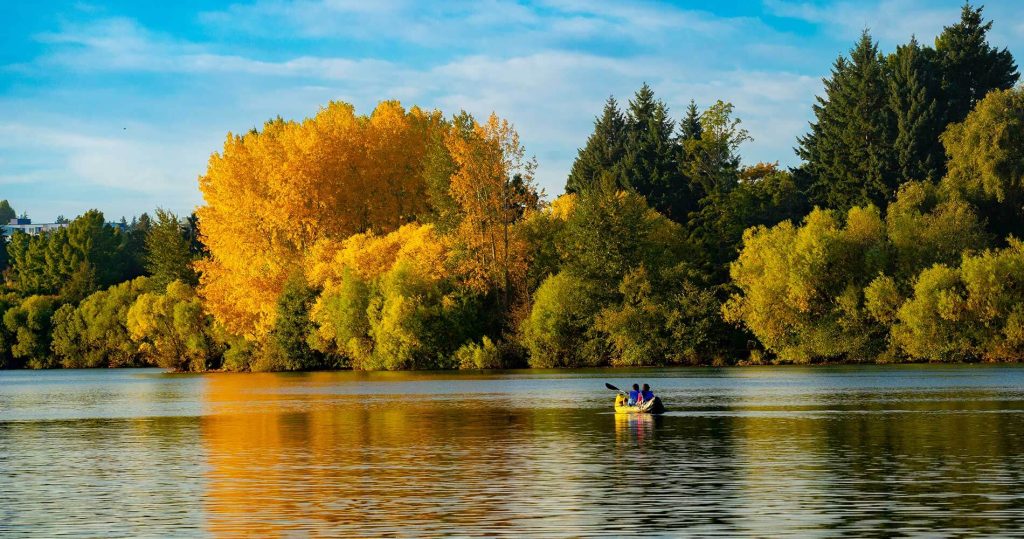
[891, 21]
[547, 66]
[476, 25]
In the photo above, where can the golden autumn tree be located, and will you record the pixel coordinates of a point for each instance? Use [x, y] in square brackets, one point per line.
[381, 295]
[272, 194]
[493, 185]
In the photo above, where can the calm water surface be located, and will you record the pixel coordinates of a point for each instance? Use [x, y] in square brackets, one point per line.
[852, 451]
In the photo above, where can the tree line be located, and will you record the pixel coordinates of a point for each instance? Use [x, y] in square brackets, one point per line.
[80, 296]
[405, 239]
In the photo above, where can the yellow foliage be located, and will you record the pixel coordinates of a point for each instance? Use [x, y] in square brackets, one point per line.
[368, 255]
[271, 195]
[563, 206]
[417, 249]
[488, 163]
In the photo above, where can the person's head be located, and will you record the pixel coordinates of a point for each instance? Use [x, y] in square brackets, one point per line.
[636, 387]
[647, 387]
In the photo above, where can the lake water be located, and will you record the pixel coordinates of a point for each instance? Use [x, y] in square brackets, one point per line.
[776, 451]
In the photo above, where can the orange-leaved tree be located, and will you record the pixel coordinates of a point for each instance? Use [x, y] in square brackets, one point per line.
[493, 186]
[272, 194]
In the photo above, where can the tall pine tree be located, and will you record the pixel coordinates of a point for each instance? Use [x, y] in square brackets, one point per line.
[691, 133]
[971, 68]
[649, 161]
[3, 253]
[689, 127]
[6, 212]
[603, 151]
[848, 152]
[913, 99]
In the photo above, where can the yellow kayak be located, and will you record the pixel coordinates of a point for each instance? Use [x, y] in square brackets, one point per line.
[653, 406]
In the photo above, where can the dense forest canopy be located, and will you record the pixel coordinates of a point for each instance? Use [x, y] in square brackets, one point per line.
[407, 239]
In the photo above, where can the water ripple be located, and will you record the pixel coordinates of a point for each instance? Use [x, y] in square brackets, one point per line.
[782, 453]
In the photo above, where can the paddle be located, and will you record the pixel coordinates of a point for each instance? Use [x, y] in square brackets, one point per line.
[611, 387]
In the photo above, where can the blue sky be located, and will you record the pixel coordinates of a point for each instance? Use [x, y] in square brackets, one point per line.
[118, 105]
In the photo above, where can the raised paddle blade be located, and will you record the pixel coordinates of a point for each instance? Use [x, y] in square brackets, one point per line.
[611, 387]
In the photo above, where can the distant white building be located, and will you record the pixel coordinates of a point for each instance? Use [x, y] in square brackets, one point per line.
[25, 225]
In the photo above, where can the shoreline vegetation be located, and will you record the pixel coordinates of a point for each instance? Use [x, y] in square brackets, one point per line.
[407, 239]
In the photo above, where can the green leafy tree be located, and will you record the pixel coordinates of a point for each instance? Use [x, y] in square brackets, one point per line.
[931, 323]
[711, 161]
[30, 325]
[971, 312]
[926, 228]
[485, 355]
[541, 231]
[882, 298]
[608, 235]
[416, 324]
[801, 288]
[438, 168]
[91, 241]
[73, 262]
[27, 265]
[661, 323]
[8, 301]
[95, 332]
[343, 326]
[398, 320]
[986, 160]
[293, 327]
[560, 332]
[611, 232]
[174, 331]
[764, 195]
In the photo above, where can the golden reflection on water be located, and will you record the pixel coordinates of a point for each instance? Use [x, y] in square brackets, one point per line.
[283, 463]
[313, 454]
[633, 429]
[773, 453]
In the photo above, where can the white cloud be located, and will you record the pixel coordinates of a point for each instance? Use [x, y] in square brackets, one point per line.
[138, 164]
[552, 94]
[890, 21]
[548, 69]
[479, 26]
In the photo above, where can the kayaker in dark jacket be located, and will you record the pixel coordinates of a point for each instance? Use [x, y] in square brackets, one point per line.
[647, 394]
[634, 395]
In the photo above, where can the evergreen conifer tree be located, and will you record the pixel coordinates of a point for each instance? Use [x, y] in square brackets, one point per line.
[649, 163]
[168, 255]
[689, 127]
[691, 132]
[848, 152]
[603, 150]
[913, 91]
[4, 260]
[971, 68]
[6, 212]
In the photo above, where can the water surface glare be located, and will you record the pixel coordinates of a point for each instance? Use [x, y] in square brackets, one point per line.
[777, 451]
